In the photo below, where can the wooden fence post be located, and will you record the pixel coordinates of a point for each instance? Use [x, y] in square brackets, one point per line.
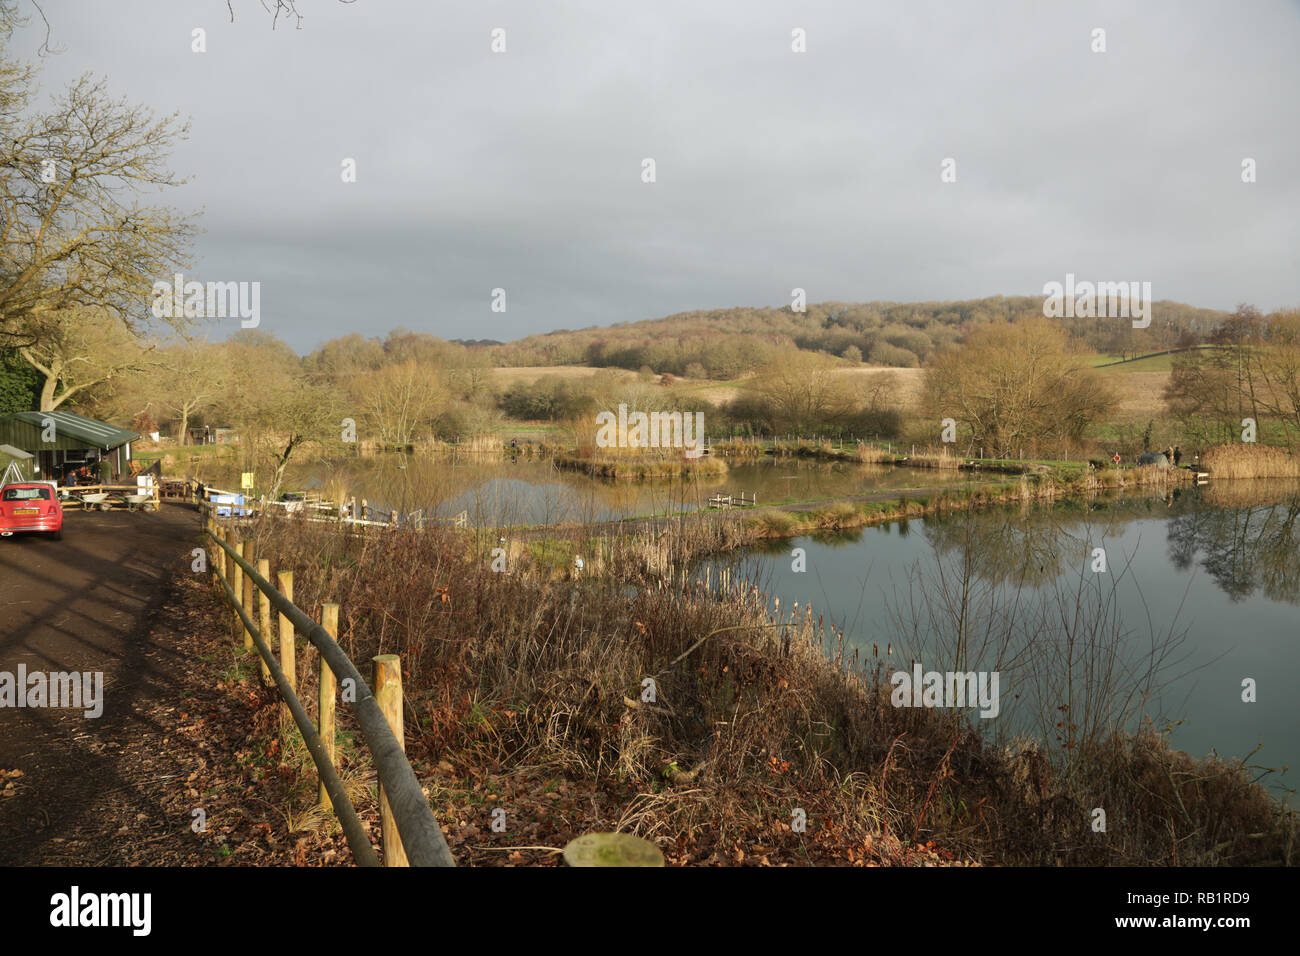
[264, 615]
[221, 553]
[248, 552]
[329, 619]
[387, 686]
[237, 583]
[288, 647]
[214, 550]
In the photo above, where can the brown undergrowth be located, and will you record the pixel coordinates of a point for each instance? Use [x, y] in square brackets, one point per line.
[693, 718]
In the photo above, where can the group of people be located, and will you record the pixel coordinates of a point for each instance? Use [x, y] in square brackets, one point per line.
[81, 475]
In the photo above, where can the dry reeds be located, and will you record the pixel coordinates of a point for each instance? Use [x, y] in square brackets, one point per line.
[931, 460]
[644, 467]
[740, 447]
[1250, 461]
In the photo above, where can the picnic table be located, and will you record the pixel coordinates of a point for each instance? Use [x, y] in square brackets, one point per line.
[104, 497]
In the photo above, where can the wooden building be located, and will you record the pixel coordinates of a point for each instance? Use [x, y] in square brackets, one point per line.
[60, 441]
[211, 435]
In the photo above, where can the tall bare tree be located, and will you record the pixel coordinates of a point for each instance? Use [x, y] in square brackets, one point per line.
[802, 391]
[75, 231]
[399, 401]
[276, 406]
[77, 350]
[1016, 386]
[189, 379]
[1254, 371]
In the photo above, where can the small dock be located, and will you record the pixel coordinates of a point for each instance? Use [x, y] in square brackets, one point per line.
[734, 501]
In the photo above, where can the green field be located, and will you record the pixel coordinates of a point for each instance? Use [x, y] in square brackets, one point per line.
[185, 452]
[1144, 363]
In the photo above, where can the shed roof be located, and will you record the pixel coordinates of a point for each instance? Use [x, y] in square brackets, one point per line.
[72, 425]
[17, 454]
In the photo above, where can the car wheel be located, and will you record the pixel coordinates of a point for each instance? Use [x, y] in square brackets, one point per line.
[57, 535]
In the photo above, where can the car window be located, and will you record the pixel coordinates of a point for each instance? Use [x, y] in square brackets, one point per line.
[26, 494]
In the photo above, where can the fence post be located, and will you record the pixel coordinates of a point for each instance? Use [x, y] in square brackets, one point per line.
[387, 685]
[237, 585]
[214, 551]
[288, 647]
[247, 552]
[221, 554]
[264, 615]
[329, 619]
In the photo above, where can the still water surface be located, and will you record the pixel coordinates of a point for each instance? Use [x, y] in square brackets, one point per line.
[1201, 592]
[499, 492]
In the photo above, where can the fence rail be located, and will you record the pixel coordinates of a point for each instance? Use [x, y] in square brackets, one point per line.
[406, 811]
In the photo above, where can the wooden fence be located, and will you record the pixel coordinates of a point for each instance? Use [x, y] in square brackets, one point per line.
[411, 835]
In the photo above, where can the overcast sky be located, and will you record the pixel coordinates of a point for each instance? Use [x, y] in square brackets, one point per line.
[775, 169]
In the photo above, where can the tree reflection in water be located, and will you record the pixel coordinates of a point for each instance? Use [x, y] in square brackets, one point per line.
[1247, 539]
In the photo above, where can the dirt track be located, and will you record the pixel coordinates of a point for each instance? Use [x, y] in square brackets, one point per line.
[97, 791]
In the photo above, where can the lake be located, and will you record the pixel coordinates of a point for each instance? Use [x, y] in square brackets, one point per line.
[1200, 592]
[499, 492]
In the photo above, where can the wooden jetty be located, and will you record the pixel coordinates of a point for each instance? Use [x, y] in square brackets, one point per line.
[734, 501]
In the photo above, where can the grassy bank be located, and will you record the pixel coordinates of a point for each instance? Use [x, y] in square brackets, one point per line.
[642, 467]
[1045, 485]
[816, 449]
[526, 692]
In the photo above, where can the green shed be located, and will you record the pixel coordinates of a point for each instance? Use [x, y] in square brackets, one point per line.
[62, 441]
[20, 461]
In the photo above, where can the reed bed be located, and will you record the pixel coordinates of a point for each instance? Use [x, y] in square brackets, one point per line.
[932, 460]
[740, 447]
[644, 467]
[1250, 461]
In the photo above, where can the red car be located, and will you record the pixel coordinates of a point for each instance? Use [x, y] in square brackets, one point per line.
[30, 506]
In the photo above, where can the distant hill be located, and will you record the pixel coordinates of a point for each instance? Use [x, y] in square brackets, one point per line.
[725, 343]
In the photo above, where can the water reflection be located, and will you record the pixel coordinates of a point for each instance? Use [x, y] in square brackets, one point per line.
[1245, 536]
[496, 491]
[1248, 541]
[1198, 593]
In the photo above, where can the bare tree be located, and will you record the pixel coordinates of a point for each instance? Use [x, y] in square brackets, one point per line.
[276, 406]
[190, 379]
[400, 400]
[74, 230]
[1254, 371]
[286, 10]
[78, 350]
[1016, 386]
[803, 392]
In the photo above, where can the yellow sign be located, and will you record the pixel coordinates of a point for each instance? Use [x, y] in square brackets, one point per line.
[246, 480]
